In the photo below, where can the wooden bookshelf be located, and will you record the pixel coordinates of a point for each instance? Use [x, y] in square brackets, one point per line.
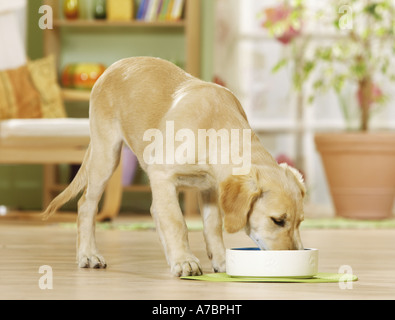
[130, 24]
[74, 95]
[189, 25]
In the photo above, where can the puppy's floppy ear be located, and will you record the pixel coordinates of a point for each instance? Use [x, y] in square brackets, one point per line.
[237, 195]
[298, 177]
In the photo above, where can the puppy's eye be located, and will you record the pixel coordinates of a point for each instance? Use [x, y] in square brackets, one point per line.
[278, 222]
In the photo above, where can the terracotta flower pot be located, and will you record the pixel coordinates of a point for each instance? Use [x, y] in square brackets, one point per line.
[360, 170]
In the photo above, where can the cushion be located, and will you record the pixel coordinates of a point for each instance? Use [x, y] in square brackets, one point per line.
[43, 74]
[19, 97]
[31, 91]
[8, 107]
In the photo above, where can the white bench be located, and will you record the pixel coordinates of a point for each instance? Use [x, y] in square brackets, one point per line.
[50, 142]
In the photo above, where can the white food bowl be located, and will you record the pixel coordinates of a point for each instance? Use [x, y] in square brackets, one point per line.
[253, 262]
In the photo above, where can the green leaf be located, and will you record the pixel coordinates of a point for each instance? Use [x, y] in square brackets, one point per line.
[282, 63]
[324, 54]
[372, 9]
[308, 67]
[338, 83]
[318, 84]
[297, 79]
[359, 69]
[385, 65]
[381, 31]
[336, 24]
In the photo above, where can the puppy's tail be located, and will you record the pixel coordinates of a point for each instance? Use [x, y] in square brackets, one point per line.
[78, 183]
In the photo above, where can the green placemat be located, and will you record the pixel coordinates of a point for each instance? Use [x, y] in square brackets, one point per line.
[319, 278]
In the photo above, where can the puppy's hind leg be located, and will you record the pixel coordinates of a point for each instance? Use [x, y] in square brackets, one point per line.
[106, 147]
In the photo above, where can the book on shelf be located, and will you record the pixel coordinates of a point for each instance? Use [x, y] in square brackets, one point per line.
[160, 10]
[120, 10]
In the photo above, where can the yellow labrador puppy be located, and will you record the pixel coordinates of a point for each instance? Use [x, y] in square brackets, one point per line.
[174, 122]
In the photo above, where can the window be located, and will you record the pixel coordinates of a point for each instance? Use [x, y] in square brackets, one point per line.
[245, 55]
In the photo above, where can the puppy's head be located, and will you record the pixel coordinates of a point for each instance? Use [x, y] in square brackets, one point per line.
[268, 204]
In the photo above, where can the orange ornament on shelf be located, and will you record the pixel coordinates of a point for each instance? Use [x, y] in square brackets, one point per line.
[82, 75]
[71, 9]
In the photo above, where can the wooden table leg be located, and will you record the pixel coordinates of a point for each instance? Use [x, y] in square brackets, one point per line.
[49, 181]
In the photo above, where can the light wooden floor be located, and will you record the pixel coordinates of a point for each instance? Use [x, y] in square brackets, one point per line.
[138, 270]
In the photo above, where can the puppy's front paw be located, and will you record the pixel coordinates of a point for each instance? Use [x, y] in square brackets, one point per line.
[218, 261]
[189, 267]
[95, 261]
[219, 267]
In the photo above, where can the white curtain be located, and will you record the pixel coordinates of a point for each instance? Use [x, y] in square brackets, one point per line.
[12, 34]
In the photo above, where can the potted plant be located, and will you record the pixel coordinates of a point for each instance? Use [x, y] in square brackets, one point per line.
[359, 162]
